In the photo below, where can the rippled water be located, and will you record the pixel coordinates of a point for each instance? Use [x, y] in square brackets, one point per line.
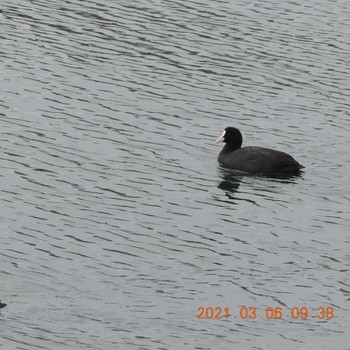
[118, 224]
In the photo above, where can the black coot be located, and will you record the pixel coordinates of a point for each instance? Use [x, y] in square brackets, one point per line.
[253, 160]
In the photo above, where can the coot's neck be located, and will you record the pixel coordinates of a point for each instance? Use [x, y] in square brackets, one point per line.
[229, 147]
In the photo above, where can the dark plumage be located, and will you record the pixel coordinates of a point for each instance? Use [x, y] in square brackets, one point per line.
[253, 160]
[2, 305]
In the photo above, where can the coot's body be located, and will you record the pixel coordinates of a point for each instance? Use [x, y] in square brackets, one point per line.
[253, 160]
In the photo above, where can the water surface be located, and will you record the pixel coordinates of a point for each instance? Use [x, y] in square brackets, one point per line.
[118, 223]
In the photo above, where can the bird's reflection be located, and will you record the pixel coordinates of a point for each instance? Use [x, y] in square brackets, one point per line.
[231, 179]
[284, 178]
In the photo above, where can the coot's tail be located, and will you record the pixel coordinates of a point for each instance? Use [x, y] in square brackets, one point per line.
[292, 168]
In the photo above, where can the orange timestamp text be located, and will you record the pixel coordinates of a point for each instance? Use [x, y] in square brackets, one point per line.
[269, 313]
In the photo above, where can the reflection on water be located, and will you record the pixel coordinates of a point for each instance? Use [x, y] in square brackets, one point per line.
[231, 179]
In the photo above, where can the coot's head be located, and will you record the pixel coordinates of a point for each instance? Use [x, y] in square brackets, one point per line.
[231, 136]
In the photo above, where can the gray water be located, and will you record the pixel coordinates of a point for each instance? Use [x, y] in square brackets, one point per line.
[118, 224]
